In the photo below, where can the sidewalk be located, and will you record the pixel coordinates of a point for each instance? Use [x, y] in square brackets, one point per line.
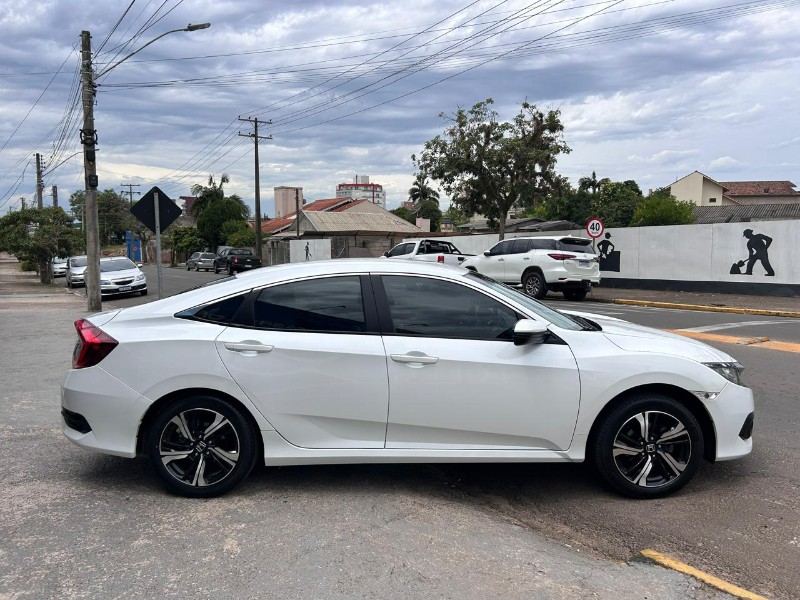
[16, 283]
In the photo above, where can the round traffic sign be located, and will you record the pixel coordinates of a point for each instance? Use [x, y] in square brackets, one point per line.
[595, 227]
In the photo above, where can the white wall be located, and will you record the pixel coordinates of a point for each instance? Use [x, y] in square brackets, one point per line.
[686, 252]
[304, 250]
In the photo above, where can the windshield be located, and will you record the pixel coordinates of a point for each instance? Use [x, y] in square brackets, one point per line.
[116, 264]
[79, 261]
[545, 312]
[208, 255]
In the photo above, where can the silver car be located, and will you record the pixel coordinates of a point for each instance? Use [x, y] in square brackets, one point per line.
[76, 267]
[59, 267]
[201, 260]
[120, 275]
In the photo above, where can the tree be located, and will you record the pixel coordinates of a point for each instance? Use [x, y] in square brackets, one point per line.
[420, 190]
[489, 166]
[592, 184]
[456, 216]
[662, 208]
[616, 202]
[213, 209]
[405, 213]
[113, 214]
[429, 209]
[39, 235]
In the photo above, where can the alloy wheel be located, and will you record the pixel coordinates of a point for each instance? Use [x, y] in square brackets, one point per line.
[652, 449]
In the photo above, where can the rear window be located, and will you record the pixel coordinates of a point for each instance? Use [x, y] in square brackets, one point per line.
[208, 255]
[576, 245]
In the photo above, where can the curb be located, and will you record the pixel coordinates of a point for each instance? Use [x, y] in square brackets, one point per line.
[651, 556]
[701, 307]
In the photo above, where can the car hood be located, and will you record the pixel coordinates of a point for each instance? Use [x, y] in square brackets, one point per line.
[125, 273]
[77, 270]
[637, 338]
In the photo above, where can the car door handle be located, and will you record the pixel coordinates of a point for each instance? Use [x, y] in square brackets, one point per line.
[526, 258]
[500, 259]
[248, 347]
[415, 358]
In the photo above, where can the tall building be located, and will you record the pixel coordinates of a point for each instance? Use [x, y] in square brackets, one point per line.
[286, 200]
[362, 189]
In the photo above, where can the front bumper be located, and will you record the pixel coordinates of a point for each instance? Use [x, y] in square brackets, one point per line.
[110, 290]
[732, 413]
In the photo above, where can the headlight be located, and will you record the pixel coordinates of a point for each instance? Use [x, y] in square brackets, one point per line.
[730, 370]
[140, 278]
[105, 282]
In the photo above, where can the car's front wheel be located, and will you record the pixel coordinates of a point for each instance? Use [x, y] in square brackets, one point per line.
[534, 285]
[216, 270]
[230, 269]
[201, 446]
[647, 446]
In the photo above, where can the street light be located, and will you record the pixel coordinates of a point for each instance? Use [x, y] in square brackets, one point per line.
[89, 141]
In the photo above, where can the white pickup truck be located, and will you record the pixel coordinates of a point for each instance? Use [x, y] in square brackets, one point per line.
[428, 250]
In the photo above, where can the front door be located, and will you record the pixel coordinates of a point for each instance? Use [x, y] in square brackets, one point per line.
[457, 381]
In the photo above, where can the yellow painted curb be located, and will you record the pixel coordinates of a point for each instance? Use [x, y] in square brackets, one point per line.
[675, 565]
[706, 308]
[761, 342]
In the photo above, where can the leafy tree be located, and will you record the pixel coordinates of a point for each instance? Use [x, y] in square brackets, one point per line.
[213, 209]
[662, 208]
[242, 238]
[187, 240]
[616, 202]
[489, 166]
[39, 235]
[429, 209]
[456, 216]
[420, 190]
[592, 184]
[405, 213]
[113, 214]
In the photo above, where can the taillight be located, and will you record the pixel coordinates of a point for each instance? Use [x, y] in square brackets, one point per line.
[93, 345]
[558, 256]
[440, 258]
[236, 259]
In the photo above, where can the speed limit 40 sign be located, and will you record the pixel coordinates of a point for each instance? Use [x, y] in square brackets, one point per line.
[595, 227]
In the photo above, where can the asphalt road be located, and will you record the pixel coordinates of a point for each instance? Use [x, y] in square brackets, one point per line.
[739, 520]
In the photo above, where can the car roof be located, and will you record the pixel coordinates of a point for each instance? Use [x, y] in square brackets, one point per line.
[550, 237]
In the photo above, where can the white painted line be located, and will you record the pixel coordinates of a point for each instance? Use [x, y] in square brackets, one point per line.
[721, 326]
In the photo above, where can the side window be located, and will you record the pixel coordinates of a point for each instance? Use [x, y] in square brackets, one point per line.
[544, 244]
[435, 308]
[501, 248]
[220, 312]
[400, 250]
[520, 246]
[330, 304]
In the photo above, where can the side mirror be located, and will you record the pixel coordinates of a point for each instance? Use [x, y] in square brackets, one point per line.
[487, 252]
[528, 331]
[140, 265]
[386, 254]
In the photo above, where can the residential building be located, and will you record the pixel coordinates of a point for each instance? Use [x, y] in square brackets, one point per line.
[287, 199]
[362, 189]
[702, 190]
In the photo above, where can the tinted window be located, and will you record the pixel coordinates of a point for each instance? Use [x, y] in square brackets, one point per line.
[576, 245]
[401, 249]
[208, 255]
[219, 312]
[330, 304]
[81, 261]
[240, 252]
[520, 246]
[544, 244]
[435, 308]
[501, 248]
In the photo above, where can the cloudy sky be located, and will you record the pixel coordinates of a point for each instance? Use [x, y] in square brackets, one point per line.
[649, 90]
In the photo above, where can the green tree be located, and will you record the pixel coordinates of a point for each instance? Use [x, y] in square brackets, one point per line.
[113, 214]
[488, 166]
[662, 208]
[213, 209]
[420, 190]
[592, 184]
[405, 213]
[456, 216]
[429, 209]
[616, 202]
[39, 235]
[242, 238]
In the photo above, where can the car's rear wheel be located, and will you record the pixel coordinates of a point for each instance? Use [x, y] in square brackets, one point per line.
[648, 446]
[534, 284]
[201, 446]
[576, 295]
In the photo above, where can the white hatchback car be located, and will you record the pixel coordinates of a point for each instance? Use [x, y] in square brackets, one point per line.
[350, 361]
[559, 263]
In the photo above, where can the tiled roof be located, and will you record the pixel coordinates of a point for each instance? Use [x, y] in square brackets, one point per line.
[759, 188]
[746, 212]
[328, 204]
[358, 221]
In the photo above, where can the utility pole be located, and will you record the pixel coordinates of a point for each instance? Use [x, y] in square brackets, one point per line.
[54, 189]
[89, 140]
[130, 191]
[256, 137]
[297, 210]
[22, 199]
[39, 184]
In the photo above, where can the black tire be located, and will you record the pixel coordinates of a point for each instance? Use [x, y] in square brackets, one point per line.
[576, 295]
[658, 445]
[230, 269]
[216, 270]
[533, 284]
[208, 465]
[143, 292]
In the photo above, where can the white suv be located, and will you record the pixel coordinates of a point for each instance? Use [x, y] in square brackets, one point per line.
[556, 263]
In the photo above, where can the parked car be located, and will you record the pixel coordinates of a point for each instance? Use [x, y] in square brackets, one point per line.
[201, 260]
[556, 263]
[296, 365]
[428, 250]
[120, 275]
[234, 260]
[76, 266]
[59, 267]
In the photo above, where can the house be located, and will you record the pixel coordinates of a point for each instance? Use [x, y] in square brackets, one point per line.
[702, 190]
[283, 223]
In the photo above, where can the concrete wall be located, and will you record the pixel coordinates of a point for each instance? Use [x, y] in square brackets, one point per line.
[313, 249]
[690, 257]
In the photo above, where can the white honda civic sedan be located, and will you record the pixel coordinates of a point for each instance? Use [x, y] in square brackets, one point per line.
[352, 361]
